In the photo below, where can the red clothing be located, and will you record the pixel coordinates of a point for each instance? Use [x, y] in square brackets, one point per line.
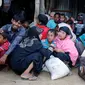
[45, 30]
[4, 47]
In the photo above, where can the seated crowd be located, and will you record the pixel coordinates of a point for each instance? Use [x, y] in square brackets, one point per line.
[25, 49]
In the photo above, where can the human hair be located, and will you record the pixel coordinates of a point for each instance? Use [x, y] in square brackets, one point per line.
[66, 30]
[57, 14]
[42, 19]
[5, 36]
[70, 22]
[62, 15]
[19, 17]
[52, 31]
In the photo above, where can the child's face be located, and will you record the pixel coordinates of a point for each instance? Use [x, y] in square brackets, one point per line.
[1, 39]
[50, 36]
[62, 35]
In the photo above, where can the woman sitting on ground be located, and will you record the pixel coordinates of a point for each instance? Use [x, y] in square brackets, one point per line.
[65, 48]
[27, 58]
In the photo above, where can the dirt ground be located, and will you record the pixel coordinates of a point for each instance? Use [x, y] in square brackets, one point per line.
[10, 78]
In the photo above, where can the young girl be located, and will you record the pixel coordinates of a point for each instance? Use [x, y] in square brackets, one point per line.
[50, 39]
[65, 47]
[4, 44]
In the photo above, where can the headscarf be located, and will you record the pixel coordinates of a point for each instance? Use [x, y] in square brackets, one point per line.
[66, 30]
[34, 32]
[31, 38]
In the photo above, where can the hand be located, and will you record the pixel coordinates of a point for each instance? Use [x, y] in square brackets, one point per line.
[58, 50]
[1, 31]
[3, 59]
[52, 45]
[40, 36]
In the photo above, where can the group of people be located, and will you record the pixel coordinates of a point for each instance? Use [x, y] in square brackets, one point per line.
[25, 49]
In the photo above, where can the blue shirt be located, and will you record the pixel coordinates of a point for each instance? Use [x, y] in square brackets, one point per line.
[82, 38]
[51, 24]
[46, 44]
[14, 37]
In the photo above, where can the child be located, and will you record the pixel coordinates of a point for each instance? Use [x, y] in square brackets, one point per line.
[65, 47]
[49, 42]
[4, 44]
[41, 23]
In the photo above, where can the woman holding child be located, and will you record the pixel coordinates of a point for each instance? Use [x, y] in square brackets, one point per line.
[27, 58]
[63, 47]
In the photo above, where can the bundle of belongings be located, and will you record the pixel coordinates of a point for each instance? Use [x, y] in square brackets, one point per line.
[81, 59]
[59, 69]
[56, 68]
[81, 69]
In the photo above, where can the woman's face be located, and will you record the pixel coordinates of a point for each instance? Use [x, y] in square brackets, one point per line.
[62, 35]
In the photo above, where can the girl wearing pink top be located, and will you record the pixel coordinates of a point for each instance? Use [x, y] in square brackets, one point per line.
[65, 48]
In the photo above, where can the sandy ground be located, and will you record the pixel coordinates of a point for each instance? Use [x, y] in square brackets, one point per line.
[10, 78]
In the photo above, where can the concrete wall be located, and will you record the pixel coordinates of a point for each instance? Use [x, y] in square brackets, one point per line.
[0, 2]
[39, 8]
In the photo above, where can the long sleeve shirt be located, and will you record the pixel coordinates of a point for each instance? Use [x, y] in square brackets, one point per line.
[14, 37]
[4, 47]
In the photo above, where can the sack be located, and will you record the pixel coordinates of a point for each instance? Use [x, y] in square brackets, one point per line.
[44, 68]
[83, 54]
[79, 28]
[80, 47]
[56, 68]
[82, 64]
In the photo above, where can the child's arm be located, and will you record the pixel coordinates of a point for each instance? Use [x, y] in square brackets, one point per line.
[4, 47]
[1, 49]
[58, 50]
[53, 46]
[44, 43]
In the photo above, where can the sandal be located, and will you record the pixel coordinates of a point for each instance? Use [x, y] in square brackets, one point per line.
[25, 76]
[33, 78]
